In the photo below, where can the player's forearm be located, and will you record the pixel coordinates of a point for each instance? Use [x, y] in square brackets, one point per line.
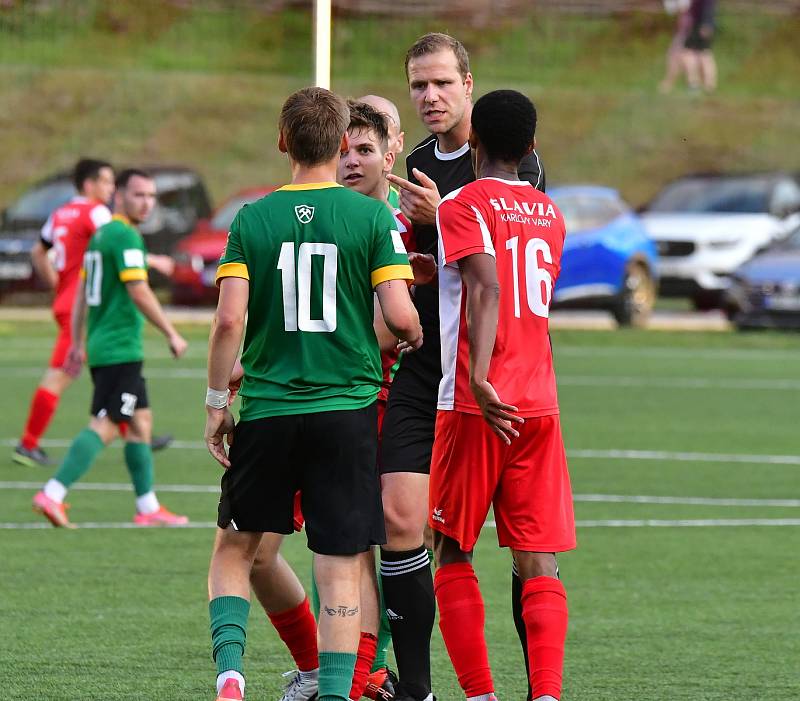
[398, 310]
[147, 303]
[43, 267]
[223, 349]
[78, 316]
[483, 302]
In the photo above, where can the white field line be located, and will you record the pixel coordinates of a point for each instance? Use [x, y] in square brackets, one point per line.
[648, 523]
[587, 498]
[682, 456]
[732, 383]
[583, 454]
[673, 353]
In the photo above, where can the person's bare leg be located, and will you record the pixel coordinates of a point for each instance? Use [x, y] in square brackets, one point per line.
[708, 67]
[692, 63]
[229, 600]
[339, 585]
[274, 582]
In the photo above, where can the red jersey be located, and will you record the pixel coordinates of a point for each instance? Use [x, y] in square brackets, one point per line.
[68, 231]
[522, 229]
[390, 360]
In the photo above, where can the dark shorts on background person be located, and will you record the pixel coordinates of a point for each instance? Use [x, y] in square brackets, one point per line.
[330, 457]
[119, 390]
[696, 41]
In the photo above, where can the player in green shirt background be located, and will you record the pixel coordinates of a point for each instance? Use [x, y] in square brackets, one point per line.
[116, 294]
[301, 265]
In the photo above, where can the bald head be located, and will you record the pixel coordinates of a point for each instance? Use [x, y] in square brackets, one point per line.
[387, 107]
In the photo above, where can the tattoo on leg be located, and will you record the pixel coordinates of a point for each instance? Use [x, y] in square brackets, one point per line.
[341, 611]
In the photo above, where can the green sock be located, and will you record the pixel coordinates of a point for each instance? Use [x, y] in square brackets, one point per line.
[79, 458]
[139, 459]
[228, 616]
[314, 594]
[384, 633]
[336, 675]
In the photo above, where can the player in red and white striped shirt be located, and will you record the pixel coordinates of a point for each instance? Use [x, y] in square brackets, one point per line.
[498, 439]
[67, 232]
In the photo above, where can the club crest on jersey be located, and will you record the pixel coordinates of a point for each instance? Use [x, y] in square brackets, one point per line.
[304, 213]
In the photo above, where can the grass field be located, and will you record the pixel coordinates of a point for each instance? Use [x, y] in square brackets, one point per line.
[685, 462]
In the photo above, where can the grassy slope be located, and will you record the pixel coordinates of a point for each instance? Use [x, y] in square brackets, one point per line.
[656, 613]
[205, 88]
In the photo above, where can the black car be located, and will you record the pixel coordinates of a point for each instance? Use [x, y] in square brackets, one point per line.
[765, 292]
[182, 200]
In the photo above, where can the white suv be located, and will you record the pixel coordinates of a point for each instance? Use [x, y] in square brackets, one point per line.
[706, 226]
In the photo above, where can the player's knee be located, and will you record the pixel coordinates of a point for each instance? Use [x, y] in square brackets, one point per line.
[530, 564]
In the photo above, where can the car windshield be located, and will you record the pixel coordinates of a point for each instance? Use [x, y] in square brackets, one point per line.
[585, 211]
[37, 204]
[224, 217]
[744, 195]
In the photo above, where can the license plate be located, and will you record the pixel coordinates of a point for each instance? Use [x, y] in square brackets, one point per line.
[786, 303]
[15, 271]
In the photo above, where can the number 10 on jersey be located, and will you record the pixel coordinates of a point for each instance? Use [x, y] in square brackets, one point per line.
[296, 282]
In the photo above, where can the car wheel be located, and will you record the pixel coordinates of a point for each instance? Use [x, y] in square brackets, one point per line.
[706, 300]
[634, 303]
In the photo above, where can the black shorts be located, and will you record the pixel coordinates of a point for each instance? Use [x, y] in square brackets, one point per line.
[695, 41]
[330, 457]
[409, 424]
[118, 391]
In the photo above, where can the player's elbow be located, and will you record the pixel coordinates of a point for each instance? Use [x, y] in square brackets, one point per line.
[228, 322]
[404, 323]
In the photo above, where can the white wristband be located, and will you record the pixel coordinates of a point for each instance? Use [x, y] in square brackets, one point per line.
[217, 399]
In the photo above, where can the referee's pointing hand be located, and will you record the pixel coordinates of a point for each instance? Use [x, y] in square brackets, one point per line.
[417, 202]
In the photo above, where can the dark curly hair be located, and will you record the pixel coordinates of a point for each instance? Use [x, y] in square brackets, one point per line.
[505, 123]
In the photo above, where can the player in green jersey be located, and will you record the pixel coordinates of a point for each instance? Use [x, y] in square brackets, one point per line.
[117, 295]
[396, 137]
[362, 167]
[301, 266]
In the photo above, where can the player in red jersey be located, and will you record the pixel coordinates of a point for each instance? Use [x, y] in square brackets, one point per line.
[498, 439]
[67, 232]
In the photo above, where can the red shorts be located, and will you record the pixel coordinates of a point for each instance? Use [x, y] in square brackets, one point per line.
[63, 342]
[299, 519]
[527, 482]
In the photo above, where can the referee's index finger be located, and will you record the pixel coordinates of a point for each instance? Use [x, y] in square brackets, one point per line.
[405, 184]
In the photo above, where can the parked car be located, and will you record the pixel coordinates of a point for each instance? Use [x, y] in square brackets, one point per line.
[765, 291]
[706, 226]
[197, 255]
[182, 200]
[608, 261]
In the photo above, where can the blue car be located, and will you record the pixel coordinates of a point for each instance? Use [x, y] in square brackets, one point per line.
[609, 262]
[765, 291]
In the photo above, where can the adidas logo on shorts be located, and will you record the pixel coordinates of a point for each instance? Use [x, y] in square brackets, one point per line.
[392, 616]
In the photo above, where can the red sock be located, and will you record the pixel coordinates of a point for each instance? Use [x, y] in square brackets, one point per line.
[123, 429]
[367, 647]
[544, 610]
[43, 406]
[461, 619]
[298, 630]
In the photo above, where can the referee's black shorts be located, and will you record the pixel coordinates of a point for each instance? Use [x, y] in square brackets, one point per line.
[409, 424]
[330, 457]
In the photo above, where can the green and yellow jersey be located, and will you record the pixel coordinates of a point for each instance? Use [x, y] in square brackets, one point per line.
[116, 255]
[312, 255]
